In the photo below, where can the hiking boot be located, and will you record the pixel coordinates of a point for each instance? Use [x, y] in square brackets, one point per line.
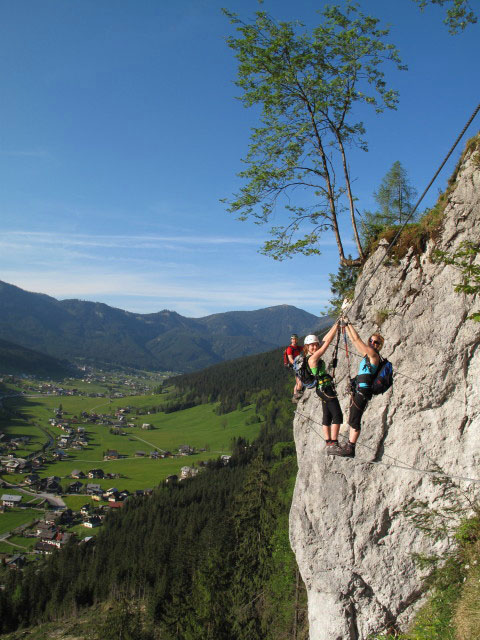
[348, 450]
[296, 396]
[334, 449]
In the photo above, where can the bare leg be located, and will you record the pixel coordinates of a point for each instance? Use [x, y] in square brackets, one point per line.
[335, 430]
[326, 432]
[353, 436]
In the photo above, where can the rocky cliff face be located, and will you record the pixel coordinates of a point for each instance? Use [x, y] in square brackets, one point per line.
[348, 528]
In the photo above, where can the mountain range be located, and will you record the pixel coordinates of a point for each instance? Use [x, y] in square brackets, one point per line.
[95, 333]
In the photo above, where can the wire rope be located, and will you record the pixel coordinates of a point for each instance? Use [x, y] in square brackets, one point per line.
[403, 465]
[404, 375]
[395, 238]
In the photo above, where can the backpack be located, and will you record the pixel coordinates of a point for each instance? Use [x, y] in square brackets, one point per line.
[302, 370]
[381, 381]
[384, 377]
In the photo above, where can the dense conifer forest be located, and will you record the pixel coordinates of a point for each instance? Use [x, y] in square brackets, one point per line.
[208, 558]
[233, 383]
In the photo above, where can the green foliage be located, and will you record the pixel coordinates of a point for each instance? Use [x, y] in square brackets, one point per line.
[231, 383]
[381, 315]
[465, 259]
[207, 558]
[342, 285]
[123, 621]
[415, 235]
[16, 359]
[395, 201]
[442, 616]
[307, 86]
[459, 14]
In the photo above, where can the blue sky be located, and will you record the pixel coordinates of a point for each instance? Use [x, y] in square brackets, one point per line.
[120, 133]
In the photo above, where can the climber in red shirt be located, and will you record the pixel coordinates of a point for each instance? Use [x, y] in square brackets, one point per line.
[292, 351]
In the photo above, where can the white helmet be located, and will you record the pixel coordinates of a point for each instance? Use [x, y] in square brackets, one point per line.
[311, 339]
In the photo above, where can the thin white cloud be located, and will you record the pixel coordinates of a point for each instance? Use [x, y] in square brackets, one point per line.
[23, 239]
[14, 239]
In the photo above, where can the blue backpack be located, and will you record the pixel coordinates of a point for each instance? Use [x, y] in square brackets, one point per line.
[384, 377]
[380, 382]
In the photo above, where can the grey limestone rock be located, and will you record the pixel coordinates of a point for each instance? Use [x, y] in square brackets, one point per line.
[348, 529]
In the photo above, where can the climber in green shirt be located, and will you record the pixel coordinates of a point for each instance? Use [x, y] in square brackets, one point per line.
[325, 389]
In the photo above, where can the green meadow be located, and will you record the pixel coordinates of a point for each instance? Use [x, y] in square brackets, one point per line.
[198, 427]
[26, 543]
[13, 518]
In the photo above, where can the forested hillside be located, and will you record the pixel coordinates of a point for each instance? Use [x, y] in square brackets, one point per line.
[208, 558]
[232, 383]
[15, 359]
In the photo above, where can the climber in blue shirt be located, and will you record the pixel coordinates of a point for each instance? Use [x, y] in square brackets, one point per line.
[366, 374]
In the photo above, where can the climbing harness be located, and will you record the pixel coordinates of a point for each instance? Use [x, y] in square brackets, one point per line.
[419, 382]
[402, 465]
[351, 388]
[334, 361]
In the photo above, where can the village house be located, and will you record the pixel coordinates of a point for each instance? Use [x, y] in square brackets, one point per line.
[115, 504]
[140, 454]
[95, 473]
[32, 478]
[48, 534]
[111, 454]
[66, 517]
[147, 426]
[50, 484]
[58, 454]
[77, 474]
[10, 500]
[59, 540]
[94, 489]
[15, 562]
[44, 547]
[75, 487]
[50, 518]
[93, 521]
[188, 472]
[43, 527]
[17, 465]
[186, 450]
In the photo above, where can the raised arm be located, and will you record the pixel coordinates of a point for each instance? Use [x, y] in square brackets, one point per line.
[360, 345]
[315, 357]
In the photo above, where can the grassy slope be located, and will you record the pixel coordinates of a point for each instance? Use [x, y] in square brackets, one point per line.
[199, 427]
[15, 517]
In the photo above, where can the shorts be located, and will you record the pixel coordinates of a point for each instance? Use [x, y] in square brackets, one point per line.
[359, 404]
[332, 412]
